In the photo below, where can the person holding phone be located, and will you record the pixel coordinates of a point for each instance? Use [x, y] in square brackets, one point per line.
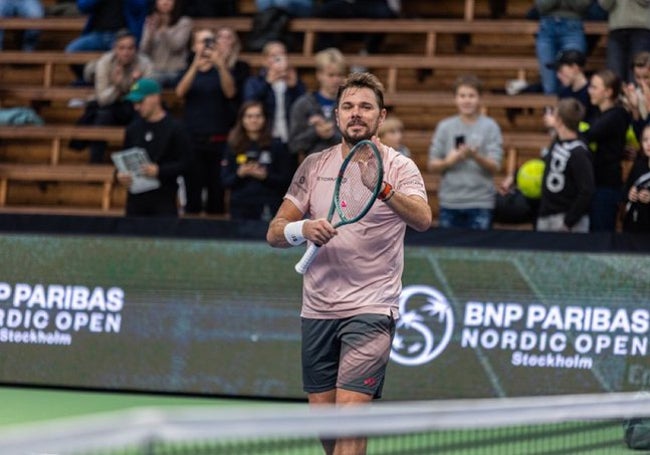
[466, 150]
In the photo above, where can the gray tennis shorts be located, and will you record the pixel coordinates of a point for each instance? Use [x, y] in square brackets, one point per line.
[350, 353]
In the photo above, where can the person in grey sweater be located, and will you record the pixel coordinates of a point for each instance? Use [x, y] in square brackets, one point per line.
[311, 125]
[629, 34]
[467, 150]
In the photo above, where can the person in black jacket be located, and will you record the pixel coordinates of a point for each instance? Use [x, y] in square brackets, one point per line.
[568, 182]
[256, 166]
[637, 189]
[168, 146]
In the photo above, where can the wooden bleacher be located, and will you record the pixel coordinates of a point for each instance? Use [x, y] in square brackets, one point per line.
[421, 61]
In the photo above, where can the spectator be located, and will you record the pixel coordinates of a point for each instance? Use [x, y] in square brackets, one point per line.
[637, 93]
[113, 75]
[637, 189]
[210, 88]
[355, 9]
[312, 115]
[105, 19]
[210, 8]
[295, 8]
[277, 86]
[629, 34]
[467, 150]
[391, 134]
[606, 136]
[560, 28]
[569, 67]
[165, 40]
[568, 182]
[168, 146]
[255, 166]
[30, 9]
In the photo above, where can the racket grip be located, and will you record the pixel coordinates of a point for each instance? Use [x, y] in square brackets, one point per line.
[307, 258]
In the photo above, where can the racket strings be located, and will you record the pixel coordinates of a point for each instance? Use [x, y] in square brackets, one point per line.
[357, 189]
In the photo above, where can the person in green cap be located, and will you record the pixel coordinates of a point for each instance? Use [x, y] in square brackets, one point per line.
[167, 144]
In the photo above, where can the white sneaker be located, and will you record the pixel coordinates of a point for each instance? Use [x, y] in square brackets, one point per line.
[515, 86]
[76, 102]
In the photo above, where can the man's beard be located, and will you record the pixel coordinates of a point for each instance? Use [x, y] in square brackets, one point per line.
[352, 141]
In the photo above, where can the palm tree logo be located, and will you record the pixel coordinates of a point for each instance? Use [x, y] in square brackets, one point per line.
[424, 328]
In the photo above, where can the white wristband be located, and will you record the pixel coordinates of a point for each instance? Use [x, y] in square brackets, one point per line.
[293, 233]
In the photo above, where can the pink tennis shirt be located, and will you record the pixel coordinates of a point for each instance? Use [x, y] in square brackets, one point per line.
[360, 269]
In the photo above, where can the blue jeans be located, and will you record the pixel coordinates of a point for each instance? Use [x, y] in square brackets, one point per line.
[556, 34]
[296, 8]
[31, 9]
[480, 219]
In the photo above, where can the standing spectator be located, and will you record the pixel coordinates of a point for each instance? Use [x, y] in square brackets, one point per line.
[606, 137]
[467, 150]
[165, 40]
[105, 19]
[30, 9]
[168, 146]
[255, 166]
[391, 133]
[637, 189]
[560, 28]
[277, 86]
[568, 182]
[629, 34]
[312, 115]
[210, 90]
[637, 93]
[569, 67]
[114, 74]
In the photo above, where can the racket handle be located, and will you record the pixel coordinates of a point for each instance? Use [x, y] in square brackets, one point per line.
[307, 258]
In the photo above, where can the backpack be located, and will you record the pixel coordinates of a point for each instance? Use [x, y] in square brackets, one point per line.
[268, 25]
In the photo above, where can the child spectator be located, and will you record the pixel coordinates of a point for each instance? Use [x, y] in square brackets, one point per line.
[391, 133]
[568, 182]
[255, 167]
[467, 150]
[637, 189]
[165, 40]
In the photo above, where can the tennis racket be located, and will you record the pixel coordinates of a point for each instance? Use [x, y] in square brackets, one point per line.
[355, 190]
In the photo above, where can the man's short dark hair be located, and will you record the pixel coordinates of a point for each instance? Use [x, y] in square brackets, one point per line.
[123, 33]
[363, 80]
[570, 111]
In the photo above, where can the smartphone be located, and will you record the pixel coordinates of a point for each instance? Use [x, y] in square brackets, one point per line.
[209, 42]
[460, 140]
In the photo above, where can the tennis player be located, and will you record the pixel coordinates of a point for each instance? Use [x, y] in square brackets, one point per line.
[351, 290]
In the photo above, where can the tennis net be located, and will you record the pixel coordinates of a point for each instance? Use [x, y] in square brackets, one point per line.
[568, 424]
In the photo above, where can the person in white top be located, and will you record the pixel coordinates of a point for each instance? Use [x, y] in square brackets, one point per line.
[351, 290]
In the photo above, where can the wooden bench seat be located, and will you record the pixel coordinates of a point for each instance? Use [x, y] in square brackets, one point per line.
[56, 134]
[99, 174]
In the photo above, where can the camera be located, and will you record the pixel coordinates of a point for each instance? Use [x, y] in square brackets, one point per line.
[209, 42]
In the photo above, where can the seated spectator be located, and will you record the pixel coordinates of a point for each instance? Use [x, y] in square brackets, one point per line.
[355, 9]
[467, 150]
[30, 9]
[165, 40]
[105, 19]
[113, 75]
[560, 28]
[277, 86]
[569, 66]
[210, 8]
[606, 135]
[568, 183]
[637, 189]
[255, 167]
[313, 127]
[391, 133]
[629, 34]
[295, 8]
[168, 146]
